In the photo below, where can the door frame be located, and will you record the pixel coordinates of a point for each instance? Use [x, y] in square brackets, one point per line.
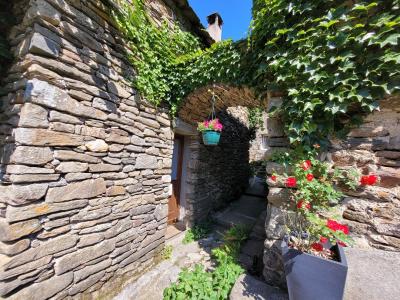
[177, 183]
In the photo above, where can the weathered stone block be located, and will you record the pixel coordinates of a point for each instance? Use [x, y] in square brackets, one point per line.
[279, 197]
[72, 155]
[20, 169]
[33, 116]
[368, 131]
[27, 155]
[144, 161]
[14, 248]
[92, 269]
[11, 232]
[73, 260]
[104, 168]
[43, 137]
[79, 190]
[72, 167]
[97, 146]
[82, 36]
[29, 178]
[104, 105]
[118, 90]
[22, 194]
[43, 93]
[14, 214]
[115, 190]
[45, 289]
[42, 9]
[89, 215]
[77, 176]
[43, 46]
[53, 246]
[87, 283]
[56, 116]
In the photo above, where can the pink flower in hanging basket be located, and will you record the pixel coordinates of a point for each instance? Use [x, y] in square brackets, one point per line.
[210, 125]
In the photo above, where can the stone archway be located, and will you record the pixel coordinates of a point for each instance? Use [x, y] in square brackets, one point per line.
[197, 105]
[202, 189]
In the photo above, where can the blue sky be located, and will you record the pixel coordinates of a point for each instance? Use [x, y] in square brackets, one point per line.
[235, 13]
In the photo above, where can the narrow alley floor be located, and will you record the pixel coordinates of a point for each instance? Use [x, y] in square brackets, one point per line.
[248, 210]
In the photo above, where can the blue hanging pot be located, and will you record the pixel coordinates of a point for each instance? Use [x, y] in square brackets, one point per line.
[211, 138]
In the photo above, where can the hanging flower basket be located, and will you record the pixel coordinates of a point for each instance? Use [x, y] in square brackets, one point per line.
[211, 138]
[211, 130]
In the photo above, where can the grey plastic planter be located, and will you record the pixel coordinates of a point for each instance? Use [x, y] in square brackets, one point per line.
[310, 277]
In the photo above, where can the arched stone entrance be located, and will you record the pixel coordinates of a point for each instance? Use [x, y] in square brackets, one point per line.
[212, 176]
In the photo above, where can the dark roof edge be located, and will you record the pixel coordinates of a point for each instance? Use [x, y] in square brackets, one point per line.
[191, 16]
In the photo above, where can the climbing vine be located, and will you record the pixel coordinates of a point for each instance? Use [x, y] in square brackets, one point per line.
[334, 58]
[171, 62]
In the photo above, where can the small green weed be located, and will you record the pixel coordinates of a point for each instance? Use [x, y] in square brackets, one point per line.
[196, 233]
[166, 253]
[215, 285]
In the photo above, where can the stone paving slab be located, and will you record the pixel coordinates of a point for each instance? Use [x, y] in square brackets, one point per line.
[243, 211]
[372, 275]
[248, 287]
[257, 187]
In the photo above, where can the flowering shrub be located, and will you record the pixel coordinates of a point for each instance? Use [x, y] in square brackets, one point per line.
[312, 226]
[210, 125]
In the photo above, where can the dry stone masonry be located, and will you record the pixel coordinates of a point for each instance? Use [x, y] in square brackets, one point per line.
[218, 174]
[85, 162]
[372, 212]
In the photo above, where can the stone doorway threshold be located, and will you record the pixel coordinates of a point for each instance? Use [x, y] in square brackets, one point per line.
[174, 229]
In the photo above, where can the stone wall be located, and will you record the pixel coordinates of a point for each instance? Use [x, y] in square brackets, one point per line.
[372, 212]
[85, 162]
[217, 175]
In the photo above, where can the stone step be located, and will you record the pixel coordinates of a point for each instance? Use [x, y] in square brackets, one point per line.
[257, 187]
[249, 287]
[245, 210]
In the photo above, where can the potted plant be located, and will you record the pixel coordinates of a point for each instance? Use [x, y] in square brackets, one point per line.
[313, 257]
[211, 131]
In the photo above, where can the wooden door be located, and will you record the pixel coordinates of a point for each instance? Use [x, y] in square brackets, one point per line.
[176, 177]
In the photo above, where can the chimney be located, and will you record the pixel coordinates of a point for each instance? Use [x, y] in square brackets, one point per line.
[215, 26]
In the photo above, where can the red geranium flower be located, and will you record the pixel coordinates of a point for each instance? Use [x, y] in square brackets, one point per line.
[301, 203]
[368, 179]
[323, 239]
[306, 165]
[273, 178]
[364, 180]
[317, 247]
[345, 229]
[335, 226]
[291, 182]
[332, 224]
[372, 179]
[310, 177]
[342, 244]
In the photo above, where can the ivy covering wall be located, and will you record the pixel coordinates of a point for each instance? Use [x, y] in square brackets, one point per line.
[334, 59]
[172, 62]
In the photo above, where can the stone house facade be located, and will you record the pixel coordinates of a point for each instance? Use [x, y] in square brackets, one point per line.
[86, 162]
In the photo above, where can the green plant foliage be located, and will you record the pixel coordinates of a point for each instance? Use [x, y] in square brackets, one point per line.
[170, 62]
[196, 233]
[256, 120]
[166, 253]
[215, 285]
[334, 58]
